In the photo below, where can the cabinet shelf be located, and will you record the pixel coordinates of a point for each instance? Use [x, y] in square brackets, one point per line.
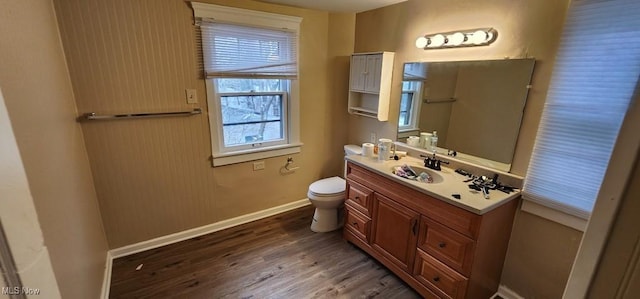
[363, 112]
[370, 84]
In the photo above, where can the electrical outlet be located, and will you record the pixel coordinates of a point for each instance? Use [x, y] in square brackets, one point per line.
[192, 96]
[258, 165]
[373, 137]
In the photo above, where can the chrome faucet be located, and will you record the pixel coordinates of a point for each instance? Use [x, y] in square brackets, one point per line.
[433, 162]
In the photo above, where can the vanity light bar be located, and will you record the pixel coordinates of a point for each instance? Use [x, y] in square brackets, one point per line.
[456, 39]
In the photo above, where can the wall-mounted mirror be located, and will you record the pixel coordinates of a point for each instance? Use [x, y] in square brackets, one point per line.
[475, 106]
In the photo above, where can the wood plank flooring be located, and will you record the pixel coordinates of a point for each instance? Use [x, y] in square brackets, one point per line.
[276, 257]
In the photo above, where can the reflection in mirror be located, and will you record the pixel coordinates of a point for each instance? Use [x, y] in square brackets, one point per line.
[475, 106]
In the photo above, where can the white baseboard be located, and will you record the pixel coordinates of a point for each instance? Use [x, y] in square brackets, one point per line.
[206, 229]
[507, 293]
[106, 284]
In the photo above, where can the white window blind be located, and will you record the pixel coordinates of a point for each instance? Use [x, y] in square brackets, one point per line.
[242, 51]
[594, 79]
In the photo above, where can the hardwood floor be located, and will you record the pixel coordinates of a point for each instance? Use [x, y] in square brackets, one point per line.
[276, 257]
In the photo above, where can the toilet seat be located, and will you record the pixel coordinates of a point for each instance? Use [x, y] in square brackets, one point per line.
[327, 188]
[315, 196]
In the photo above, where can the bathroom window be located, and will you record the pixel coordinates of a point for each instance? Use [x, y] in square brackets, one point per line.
[251, 68]
[593, 82]
[409, 106]
[252, 112]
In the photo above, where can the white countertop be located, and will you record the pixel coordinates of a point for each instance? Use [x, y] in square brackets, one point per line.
[453, 184]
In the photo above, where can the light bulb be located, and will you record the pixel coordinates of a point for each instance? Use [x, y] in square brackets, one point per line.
[456, 39]
[437, 41]
[479, 37]
[422, 42]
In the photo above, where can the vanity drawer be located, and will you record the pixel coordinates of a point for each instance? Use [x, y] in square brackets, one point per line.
[438, 277]
[357, 223]
[359, 197]
[450, 247]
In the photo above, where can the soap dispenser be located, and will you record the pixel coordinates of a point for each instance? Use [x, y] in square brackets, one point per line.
[433, 144]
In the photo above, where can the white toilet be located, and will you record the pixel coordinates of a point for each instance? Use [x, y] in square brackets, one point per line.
[327, 195]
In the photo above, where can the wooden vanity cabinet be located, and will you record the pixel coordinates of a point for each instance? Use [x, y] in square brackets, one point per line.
[440, 250]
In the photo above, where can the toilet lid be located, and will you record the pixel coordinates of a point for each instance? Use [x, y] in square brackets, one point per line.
[328, 186]
[352, 149]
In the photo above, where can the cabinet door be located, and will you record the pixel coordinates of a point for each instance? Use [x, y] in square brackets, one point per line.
[374, 73]
[358, 72]
[395, 231]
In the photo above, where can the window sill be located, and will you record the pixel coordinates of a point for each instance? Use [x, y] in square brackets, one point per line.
[554, 215]
[221, 159]
[404, 133]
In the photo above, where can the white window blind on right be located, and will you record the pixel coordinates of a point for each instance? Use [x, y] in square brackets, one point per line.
[594, 78]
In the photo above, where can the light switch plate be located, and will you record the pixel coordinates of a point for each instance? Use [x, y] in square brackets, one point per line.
[192, 96]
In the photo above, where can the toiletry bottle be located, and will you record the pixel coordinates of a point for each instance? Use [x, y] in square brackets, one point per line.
[425, 140]
[434, 142]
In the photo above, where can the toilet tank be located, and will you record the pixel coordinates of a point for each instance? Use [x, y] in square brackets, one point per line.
[350, 149]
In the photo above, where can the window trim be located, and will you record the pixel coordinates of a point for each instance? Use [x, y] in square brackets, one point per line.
[247, 17]
[241, 16]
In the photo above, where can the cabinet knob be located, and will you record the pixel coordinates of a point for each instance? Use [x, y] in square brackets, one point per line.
[436, 279]
[357, 197]
[355, 224]
[442, 245]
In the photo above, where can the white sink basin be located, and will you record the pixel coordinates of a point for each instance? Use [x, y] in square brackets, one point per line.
[435, 176]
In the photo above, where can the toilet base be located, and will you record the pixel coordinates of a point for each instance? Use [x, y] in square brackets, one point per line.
[325, 220]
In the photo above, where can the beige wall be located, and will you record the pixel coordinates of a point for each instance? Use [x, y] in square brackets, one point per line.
[153, 176]
[39, 99]
[341, 42]
[541, 252]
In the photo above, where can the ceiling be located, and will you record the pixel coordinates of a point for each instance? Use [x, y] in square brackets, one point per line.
[337, 5]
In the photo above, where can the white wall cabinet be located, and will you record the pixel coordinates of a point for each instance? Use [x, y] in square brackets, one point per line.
[370, 84]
